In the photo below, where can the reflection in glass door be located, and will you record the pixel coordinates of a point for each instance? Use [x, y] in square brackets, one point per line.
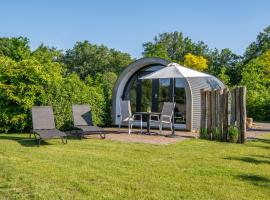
[149, 95]
[164, 94]
[180, 100]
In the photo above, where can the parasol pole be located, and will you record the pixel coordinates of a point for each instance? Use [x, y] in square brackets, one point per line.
[173, 132]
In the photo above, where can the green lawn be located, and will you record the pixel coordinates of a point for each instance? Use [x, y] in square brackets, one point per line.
[101, 169]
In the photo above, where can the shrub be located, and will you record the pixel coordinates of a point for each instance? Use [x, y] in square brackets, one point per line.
[26, 83]
[216, 134]
[203, 133]
[233, 133]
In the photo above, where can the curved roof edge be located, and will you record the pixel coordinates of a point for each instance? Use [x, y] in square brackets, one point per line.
[133, 67]
[136, 65]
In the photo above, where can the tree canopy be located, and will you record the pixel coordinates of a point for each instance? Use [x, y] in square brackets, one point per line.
[88, 59]
[258, 47]
[196, 62]
[174, 46]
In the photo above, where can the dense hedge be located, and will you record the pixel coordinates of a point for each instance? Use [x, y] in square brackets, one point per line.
[28, 82]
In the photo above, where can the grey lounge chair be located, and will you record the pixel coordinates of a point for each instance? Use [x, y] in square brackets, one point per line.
[82, 120]
[165, 117]
[44, 125]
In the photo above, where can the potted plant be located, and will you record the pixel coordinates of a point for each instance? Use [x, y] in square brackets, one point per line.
[233, 133]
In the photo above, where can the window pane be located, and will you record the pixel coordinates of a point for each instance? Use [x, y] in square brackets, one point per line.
[146, 100]
[164, 92]
[180, 100]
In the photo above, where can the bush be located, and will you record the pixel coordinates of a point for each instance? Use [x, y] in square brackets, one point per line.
[216, 134]
[72, 90]
[203, 133]
[26, 83]
[233, 133]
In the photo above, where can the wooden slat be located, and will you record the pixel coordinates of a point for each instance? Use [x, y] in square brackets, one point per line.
[221, 110]
[225, 114]
[203, 109]
[209, 111]
[213, 110]
[242, 99]
[232, 121]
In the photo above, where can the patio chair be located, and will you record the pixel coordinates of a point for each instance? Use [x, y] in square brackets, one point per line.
[82, 120]
[165, 117]
[126, 115]
[44, 125]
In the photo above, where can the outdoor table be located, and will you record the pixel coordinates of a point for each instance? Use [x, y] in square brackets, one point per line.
[147, 114]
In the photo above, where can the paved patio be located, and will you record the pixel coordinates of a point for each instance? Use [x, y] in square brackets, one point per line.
[114, 134]
[138, 137]
[258, 129]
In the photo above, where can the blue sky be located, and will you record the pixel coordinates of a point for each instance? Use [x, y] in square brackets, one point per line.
[125, 24]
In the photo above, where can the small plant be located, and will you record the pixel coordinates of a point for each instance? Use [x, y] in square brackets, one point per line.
[233, 133]
[203, 133]
[217, 134]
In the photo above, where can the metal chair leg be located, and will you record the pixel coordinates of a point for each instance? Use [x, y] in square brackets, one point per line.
[81, 136]
[129, 127]
[160, 128]
[102, 135]
[39, 141]
[119, 126]
[141, 125]
[64, 140]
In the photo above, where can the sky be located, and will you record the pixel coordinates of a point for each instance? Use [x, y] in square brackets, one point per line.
[126, 24]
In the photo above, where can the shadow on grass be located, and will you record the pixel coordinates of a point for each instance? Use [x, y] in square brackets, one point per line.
[23, 140]
[255, 180]
[262, 156]
[249, 160]
[259, 143]
[255, 139]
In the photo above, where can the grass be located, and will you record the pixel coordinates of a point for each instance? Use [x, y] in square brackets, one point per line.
[101, 169]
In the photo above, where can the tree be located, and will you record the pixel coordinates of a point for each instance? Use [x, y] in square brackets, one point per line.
[174, 46]
[223, 76]
[258, 47]
[256, 76]
[21, 86]
[15, 48]
[196, 62]
[47, 54]
[106, 81]
[88, 59]
[225, 64]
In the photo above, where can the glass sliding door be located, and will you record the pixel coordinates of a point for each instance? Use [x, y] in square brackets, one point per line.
[149, 95]
[164, 94]
[180, 100]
